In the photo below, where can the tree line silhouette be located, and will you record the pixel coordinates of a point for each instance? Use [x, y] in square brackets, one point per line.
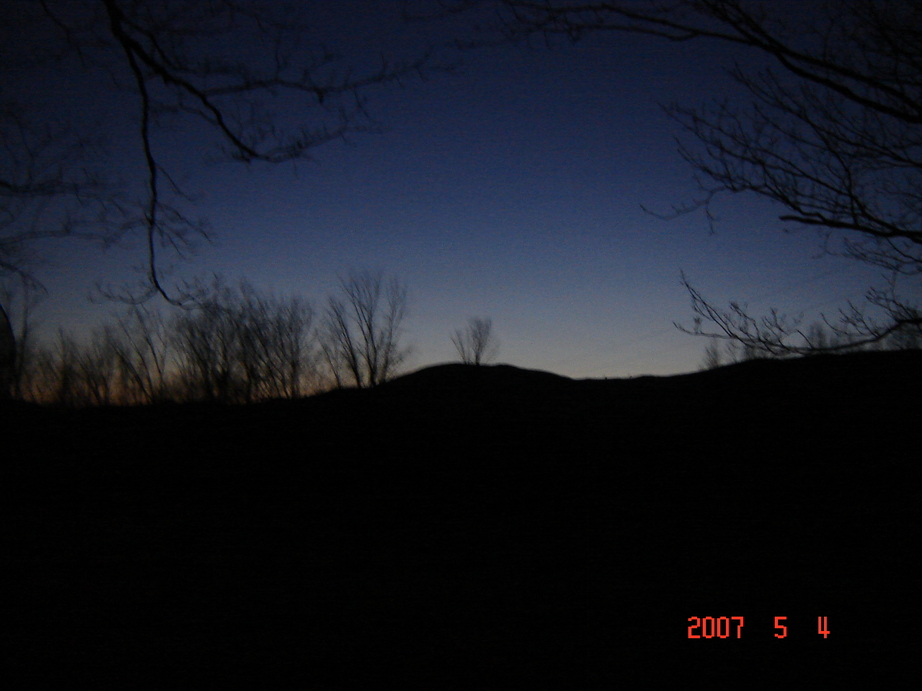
[232, 344]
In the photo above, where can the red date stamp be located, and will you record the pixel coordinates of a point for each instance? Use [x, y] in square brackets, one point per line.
[726, 627]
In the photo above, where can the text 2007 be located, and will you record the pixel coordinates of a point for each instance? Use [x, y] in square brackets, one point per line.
[721, 627]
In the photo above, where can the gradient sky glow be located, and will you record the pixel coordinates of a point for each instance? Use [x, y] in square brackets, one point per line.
[509, 188]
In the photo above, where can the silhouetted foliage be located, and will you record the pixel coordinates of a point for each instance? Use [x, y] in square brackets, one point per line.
[143, 348]
[713, 357]
[361, 329]
[477, 343]
[241, 346]
[831, 135]
[235, 345]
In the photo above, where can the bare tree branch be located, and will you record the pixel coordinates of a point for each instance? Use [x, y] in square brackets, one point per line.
[477, 343]
[361, 330]
[832, 133]
[242, 69]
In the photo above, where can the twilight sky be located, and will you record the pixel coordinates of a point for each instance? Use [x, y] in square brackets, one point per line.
[510, 188]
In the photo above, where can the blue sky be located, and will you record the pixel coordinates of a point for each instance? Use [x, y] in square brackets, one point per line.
[510, 188]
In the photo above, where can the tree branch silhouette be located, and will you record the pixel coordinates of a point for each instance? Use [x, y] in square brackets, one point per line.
[832, 133]
[241, 69]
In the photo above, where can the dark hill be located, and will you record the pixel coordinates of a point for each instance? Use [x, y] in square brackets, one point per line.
[456, 376]
[491, 526]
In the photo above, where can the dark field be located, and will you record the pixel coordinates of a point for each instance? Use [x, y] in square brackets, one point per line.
[478, 527]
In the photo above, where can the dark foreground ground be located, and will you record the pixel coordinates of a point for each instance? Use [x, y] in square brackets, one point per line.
[482, 528]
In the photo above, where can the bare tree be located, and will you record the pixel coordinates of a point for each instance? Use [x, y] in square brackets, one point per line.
[713, 358]
[206, 339]
[294, 354]
[59, 368]
[361, 329]
[276, 343]
[98, 368]
[143, 349]
[72, 373]
[237, 345]
[833, 134]
[477, 343]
